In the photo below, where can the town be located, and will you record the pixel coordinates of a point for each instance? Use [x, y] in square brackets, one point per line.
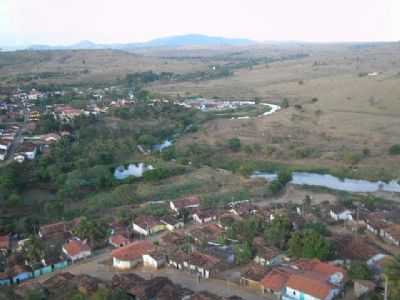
[199, 150]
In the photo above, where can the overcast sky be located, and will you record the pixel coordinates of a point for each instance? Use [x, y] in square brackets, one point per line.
[25, 22]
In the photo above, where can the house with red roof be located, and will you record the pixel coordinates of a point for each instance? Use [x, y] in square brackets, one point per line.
[147, 225]
[305, 280]
[5, 243]
[76, 250]
[131, 255]
[187, 202]
[118, 240]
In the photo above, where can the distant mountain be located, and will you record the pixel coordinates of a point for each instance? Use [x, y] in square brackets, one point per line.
[172, 41]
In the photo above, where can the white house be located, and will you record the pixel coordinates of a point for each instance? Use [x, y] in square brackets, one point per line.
[76, 250]
[341, 214]
[172, 223]
[29, 150]
[154, 259]
[3, 154]
[204, 216]
[188, 203]
[147, 225]
[131, 255]
[5, 144]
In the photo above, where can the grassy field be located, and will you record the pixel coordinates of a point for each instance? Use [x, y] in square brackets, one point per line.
[338, 116]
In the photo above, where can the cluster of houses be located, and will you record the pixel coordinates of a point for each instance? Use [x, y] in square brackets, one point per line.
[62, 285]
[205, 104]
[7, 139]
[188, 239]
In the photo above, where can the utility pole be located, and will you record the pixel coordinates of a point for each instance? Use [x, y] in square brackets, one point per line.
[385, 297]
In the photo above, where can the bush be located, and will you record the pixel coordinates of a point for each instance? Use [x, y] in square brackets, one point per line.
[234, 144]
[394, 150]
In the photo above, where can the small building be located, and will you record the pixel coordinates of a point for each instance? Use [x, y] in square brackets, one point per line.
[118, 240]
[5, 243]
[339, 213]
[204, 216]
[5, 144]
[275, 281]
[376, 222]
[203, 265]
[363, 287]
[3, 154]
[147, 225]
[187, 203]
[154, 259]
[243, 209]
[265, 255]
[29, 150]
[172, 223]
[131, 255]
[253, 276]
[206, 233]
[76, 250]
[392, 234]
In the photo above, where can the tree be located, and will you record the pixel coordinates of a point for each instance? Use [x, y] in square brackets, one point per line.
[33, 249]
[285, 103]
[309, 244]
[243, 253]
[392, 275]
[278, 232]
[359, 270]
[234, 144]
[92, 231]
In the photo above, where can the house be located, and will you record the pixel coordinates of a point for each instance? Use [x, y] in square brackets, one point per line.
[204, 216]
[3, 154]
[147, 225]
[118, 240]
[5, 243]
[363, 287]
[5, 144]
[308, 287]
[244, 209]
[350, 247]
[206, 233]
[154, 259]
[174, 238]
[375, 222]
[253, 276]
[339, 213]
[187, 203]
[131, 255]
[391, 233]
[76, 250]
[172, 223]
[59, 230]
[66, 113]
[265, 255]
[275, 281]
[160, 288]
[203, 265]
[306, 279]
[29, 150]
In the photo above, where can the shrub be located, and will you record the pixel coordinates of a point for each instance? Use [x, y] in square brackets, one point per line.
[234, 144]
[394, 150]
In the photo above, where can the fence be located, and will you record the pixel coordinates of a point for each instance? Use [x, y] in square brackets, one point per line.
[34, 274]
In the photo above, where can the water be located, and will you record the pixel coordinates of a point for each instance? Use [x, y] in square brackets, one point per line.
[160, 147]
[135, 170]
[335, 183]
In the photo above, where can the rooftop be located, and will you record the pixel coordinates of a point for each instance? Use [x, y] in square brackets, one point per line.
[74, 247]
[133, 250]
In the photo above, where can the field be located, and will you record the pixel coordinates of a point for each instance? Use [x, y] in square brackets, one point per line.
[339, 115]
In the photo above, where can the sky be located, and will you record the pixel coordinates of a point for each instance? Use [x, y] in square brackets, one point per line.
[61, 22]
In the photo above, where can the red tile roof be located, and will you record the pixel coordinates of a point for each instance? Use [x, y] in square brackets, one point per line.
[4, 242]
[320, 267]
[276, 280]
[133, 251]
[191, 201]
[310, 286]
[145, 221]
[394, 231]
[119, 239]
[74, 247]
